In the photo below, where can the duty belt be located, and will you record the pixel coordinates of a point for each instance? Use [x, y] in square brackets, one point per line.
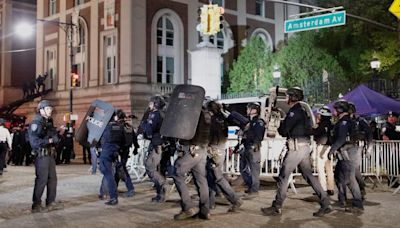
[45, 152]
[187, 149]
[294, 143]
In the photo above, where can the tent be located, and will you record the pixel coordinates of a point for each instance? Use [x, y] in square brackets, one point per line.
[369, 102]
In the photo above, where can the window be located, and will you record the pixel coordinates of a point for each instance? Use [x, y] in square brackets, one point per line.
[219, 41]
[165, 32]
[260, 8]
[79, 2]
[264, 36]
[167, 48]
[50, 68]
[52, 7]
[110, 60]
[219, 2]
[81, 55]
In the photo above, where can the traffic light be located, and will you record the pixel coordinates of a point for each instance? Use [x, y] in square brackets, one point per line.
[75, 80]
[216, 19]
[204, 20]
[210, 18]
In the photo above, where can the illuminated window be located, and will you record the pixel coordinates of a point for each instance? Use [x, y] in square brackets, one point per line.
[52, 7]
[260, 8]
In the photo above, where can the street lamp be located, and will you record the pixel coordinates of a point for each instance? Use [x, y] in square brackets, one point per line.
[276, 74]
[375, 65]
[25, 30]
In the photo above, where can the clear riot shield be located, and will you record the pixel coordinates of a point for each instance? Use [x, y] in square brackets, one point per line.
[94, 123]
[183, 112]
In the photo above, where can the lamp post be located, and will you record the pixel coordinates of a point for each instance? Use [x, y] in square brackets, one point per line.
[25, 29]
[375, 65]
[276, 74]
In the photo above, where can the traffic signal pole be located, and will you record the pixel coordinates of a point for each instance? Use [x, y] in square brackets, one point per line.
[71, 56]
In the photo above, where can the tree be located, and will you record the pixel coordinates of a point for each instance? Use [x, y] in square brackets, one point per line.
[252, 70]
[302, 64]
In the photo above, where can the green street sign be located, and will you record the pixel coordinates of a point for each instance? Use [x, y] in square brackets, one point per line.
[316, 22]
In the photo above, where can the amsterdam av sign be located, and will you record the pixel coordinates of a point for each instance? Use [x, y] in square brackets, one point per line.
[316, 22]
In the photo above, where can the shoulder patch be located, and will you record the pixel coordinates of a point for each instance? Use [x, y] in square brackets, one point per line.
[151, 115]
[291, 114]
[344, 123]
[34, 127]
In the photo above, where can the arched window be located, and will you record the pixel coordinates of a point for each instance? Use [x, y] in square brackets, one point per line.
[167, 48]
[264, 36]
[80, 57]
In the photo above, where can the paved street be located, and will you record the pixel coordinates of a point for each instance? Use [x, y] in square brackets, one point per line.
[78, 191]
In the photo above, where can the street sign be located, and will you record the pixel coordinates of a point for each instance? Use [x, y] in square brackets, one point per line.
[395, 8]
[316, 22]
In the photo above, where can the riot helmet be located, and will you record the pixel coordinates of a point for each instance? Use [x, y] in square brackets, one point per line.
[45, 108]
[352, 108]
[120, 114]
[325, 111]
[341, 106]
[213, 107]
[295, 94]
[255, 106]
[158, 102]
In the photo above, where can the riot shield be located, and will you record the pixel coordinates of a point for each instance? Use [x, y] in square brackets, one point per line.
[94, 123]
[183, 112]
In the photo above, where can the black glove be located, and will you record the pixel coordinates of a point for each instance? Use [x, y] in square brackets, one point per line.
[135, 151]
[331, 155]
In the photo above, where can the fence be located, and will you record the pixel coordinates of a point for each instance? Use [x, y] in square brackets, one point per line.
[383, 162]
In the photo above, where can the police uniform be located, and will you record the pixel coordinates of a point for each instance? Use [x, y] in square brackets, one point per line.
[215, 161]
[296, 129]
[41, 130]
[345, 167]
[151, 130]
[111, 141]
[251, 156]
[363, 140]
[193, 156]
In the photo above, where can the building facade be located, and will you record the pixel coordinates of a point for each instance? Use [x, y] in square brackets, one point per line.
[17, 59]
[128, 50]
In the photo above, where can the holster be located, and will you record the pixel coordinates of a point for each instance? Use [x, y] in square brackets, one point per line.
[183, 149]
[343, 153]
[293, 144]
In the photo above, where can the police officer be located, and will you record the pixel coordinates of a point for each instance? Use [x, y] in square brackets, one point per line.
[150, 127]
[124, 154]
[43, 137]
[111, 141]
[296, 127]
[250, 158]
[362, 136]
[322, 138]
[345, 150]
[216, 157]
[192, 158]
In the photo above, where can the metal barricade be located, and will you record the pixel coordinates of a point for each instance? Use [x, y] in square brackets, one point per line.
[135, 163]
[383, 162]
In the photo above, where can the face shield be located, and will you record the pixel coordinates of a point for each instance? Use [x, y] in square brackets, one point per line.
[46, 111]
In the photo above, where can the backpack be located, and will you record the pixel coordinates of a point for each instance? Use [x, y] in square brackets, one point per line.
[357, 132]
[128, 135]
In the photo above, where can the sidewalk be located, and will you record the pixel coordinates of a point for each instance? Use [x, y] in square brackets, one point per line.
[78, 191]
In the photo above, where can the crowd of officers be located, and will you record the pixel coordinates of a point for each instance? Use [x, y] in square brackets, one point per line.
[203, 156]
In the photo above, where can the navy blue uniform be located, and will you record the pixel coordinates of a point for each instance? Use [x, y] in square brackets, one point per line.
[151, 131]
[251, 157]
[215, 161]
[345, 167]
[297, 129]
[111, 142]
[40, 131]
